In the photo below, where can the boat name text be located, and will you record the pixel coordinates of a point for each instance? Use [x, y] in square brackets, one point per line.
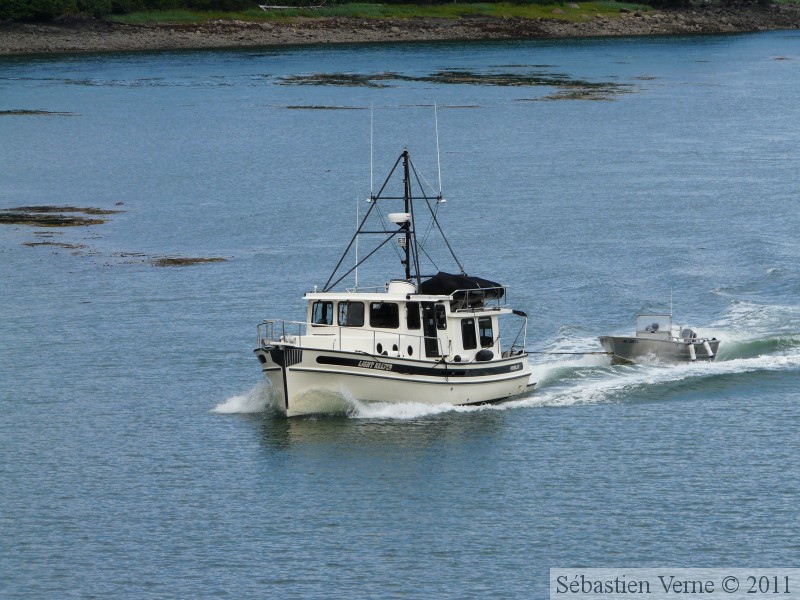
[371, 364]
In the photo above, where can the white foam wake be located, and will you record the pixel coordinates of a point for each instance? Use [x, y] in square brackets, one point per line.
[256, 400]
[584, 381]
[621, 383]
[405, 410]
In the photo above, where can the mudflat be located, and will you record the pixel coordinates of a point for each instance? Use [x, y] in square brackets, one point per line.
[90, 35]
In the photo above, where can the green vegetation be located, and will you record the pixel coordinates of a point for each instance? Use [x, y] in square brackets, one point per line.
[42, 10]
[199, 11]
[564, 11]
[181, 15]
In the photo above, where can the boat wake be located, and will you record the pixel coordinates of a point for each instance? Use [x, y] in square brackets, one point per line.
[411, 410]
[752, 329]
[649, 381]
[256, 400]
[570, 380]
[755, 339]
[579, 381]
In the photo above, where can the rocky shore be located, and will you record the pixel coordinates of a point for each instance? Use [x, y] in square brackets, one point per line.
[86, 35]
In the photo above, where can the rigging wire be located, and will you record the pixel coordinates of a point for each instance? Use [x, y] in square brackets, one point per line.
[430, 224]
[425, 252]
[426, 234]
[433, 189]
[436, 221]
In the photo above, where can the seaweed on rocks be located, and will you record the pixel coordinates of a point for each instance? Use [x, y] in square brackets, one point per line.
[177, 261]
[586, 89]
[22, 112]
[53, 216]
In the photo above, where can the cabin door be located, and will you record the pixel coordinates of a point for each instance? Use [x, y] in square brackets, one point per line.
[429, 329]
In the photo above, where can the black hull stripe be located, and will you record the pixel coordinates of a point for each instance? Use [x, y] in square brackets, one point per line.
[445, 371]
[384, 377]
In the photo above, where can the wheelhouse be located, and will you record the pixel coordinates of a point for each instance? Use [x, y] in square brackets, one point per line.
[402, 323]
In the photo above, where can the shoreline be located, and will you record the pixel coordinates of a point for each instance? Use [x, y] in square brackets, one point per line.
[88, 35]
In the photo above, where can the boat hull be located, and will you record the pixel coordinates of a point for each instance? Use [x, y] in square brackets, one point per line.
[629, 349]
[313, 381]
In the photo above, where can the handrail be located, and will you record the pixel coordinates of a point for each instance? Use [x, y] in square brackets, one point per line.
[681, 339]
[366, 289]
[523, 330]
[500, 300]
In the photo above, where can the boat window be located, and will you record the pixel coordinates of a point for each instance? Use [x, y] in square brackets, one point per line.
[322, 313]
[412, 315]
[486, 332]
[441, 318]
[384, 315]
[653, 323]
[468, 334]
[351, 314]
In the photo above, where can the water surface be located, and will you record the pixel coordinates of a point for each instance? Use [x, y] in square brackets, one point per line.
[597, 178]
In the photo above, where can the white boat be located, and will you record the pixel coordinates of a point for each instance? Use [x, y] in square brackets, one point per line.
[431, 339]
[656, 338]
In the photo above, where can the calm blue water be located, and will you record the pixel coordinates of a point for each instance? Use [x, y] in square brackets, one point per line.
[136, 456]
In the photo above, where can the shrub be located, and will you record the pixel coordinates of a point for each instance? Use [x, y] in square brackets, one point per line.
[96, 8]
[36, 10]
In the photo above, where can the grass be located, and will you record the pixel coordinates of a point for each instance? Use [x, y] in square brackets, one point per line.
[556, 10]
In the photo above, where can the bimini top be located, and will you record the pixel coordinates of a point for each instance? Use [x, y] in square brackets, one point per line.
[444, 284]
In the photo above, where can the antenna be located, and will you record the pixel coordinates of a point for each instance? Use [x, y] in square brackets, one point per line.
[371, 116]
[357, 226]
[438, 159]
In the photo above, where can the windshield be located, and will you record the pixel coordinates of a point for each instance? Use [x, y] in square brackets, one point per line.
[653, 323]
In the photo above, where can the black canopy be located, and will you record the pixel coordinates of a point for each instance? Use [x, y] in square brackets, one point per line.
[444, 284]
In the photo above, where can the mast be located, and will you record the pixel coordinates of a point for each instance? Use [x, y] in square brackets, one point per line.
[405, 223]
[407, 209]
